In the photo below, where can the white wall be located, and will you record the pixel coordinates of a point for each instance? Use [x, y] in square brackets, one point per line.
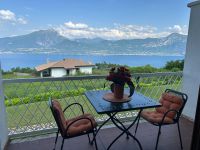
[72, 71]
[3, 120]
[191, 72]
[41, 74]
[58, 72]
[87, 70]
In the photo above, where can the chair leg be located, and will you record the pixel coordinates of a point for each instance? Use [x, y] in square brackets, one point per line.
[56, 140]
[137, 125]
[180, 135]
[159, 132]
[62, 144]
[95, 142]
[89, 139]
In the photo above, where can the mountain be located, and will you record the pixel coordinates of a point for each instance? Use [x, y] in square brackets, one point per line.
[37, 39]
[49, 41]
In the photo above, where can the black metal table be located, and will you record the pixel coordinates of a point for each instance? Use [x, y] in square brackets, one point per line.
[137, 102]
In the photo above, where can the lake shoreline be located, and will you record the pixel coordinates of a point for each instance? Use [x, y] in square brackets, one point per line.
[9, 61]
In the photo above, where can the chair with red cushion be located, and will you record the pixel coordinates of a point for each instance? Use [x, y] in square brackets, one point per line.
[169, 113]
[68, 128]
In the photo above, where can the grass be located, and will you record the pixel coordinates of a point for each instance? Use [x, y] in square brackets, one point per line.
[39, 112]
[13, 76]
[15, 90]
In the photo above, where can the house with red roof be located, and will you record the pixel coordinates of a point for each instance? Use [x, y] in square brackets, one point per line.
[64, 68]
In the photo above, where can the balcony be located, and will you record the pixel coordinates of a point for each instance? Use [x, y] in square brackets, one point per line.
[146, 135]
[28, 121]
[28, 114]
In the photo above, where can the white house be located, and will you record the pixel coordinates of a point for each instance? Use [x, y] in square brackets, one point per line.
[64, 68]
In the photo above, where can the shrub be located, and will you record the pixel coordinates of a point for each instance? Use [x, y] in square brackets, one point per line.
[26, 100]
[15, 101]
[145, 84]
[44, 97]
[7, 103]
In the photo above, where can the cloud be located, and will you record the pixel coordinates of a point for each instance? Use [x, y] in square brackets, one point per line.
[22, 21]
[118, 31]
[9, 16]
[178, 29]
[75, 25]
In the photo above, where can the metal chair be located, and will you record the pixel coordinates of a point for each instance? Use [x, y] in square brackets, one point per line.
[169, 113]
[69, 128]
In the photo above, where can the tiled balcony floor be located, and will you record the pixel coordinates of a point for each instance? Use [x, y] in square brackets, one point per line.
[146, 134]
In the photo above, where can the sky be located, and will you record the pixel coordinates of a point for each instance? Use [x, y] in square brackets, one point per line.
[108, 19]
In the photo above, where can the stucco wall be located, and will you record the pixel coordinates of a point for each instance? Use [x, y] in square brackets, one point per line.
[3, 120]
[191, 73]
[41, 75]
[72, 71]
[58, 72]
[87, 70]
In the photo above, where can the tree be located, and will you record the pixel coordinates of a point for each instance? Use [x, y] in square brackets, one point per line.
[174, 65]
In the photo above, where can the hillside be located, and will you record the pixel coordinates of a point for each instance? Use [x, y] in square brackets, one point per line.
[49, 41]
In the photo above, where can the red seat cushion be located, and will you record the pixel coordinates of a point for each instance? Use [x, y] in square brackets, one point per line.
[155, 117]
[59, 116]
[169, 101]
[78, 127]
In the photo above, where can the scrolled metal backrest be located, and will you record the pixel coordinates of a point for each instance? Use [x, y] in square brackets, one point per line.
[184, 98]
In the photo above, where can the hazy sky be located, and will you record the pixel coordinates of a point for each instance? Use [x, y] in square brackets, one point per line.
[109, 19]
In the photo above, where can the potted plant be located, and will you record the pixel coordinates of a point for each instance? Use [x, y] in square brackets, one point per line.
[120, 76]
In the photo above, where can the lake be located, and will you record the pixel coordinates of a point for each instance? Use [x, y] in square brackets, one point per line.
[9, 61]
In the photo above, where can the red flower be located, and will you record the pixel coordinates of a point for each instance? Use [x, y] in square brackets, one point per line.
[121, 75]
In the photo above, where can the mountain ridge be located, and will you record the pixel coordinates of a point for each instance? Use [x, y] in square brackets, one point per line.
[50, 41]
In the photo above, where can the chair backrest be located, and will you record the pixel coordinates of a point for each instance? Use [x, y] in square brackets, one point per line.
[58, 115]
[172, 99]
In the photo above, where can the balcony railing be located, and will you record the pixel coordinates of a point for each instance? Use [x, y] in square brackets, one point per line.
[26, 100]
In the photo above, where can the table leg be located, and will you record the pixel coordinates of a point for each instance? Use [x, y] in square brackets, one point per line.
[125, 130]
[115, 119]
[100, 128]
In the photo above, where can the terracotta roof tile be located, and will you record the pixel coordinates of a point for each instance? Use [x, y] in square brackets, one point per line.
[65, 63]
[45, 66]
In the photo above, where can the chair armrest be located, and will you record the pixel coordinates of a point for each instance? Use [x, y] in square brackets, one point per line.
[84, 118]
[165, 114]
[81, 107]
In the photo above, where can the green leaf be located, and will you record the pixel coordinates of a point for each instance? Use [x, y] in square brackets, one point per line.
[131, 87]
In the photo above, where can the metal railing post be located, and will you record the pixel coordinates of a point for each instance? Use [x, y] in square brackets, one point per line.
[3, 119]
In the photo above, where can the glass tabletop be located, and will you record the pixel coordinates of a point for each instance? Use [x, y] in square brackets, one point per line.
[138, 101]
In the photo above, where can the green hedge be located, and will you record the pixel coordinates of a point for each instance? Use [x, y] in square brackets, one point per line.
[62, 94]
[44, 97]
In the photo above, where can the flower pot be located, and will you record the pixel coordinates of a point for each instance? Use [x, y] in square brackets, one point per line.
[118, 91]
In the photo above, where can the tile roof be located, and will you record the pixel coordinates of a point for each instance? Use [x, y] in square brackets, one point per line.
[65, 63]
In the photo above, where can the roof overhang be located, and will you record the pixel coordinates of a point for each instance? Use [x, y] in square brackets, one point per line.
[194, 3]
